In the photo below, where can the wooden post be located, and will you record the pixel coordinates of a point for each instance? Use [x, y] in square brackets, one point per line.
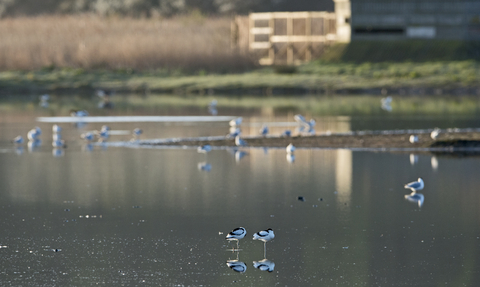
[289, 44]
[271, 50]
[308, 33]
[251, 24]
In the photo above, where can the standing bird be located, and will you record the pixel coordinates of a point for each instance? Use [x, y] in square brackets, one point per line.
[18, 140]
[137, 132]
[435, 133]
[33, 134]
[287, 133]
[415, 185]
[264, 130]
[236, 234]
[265, 236]
[239, 141]
[236, 122]
[88, 136]
[413, 139]
[290, 148]
[56, 129]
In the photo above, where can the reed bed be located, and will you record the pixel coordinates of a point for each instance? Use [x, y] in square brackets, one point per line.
[187, 43]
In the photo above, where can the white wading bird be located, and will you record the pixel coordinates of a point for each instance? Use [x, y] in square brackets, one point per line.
[415, 185]
[290, 148]
[236, 234]
[265, 236]
[239, 141]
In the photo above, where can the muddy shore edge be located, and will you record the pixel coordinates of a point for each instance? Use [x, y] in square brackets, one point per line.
[448, 140]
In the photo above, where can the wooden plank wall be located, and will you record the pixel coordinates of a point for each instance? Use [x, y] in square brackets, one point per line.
[284, 38]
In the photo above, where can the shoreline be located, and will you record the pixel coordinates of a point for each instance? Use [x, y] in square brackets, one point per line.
[448, 141]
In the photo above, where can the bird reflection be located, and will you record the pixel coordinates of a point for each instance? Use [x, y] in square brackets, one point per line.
[239, 155]
[290, 158]
[237, 266]
[204, 166]
[416, 198]
[434, 163]
[34, 145]
[19, 150]
[387, 104]
[413, 159]
[264, 265]
[58, 152]
[87, 147]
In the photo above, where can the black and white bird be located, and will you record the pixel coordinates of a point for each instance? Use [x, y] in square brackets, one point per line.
[265, 236]
[137, 132]
[287, 133]
[413, 139]
[290, 149]
[239, 141]
[415, 185]
[56, 129]
[18, 140]
[204, 148]
[88, 136]
[236, 234]
[34, 133]
[237, 266]
[264, 130]
[416, 198]
[234, 132]
[236, 122]
[75, 113]
[264, 265]
[435, 133]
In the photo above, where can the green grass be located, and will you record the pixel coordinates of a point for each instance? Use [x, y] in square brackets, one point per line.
[315, 75]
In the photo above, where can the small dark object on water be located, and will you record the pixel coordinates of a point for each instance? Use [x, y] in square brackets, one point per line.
[301, 198]
[57, 250]
[321, 199]
[66, 209]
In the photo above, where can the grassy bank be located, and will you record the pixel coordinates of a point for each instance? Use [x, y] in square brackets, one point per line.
[457, 77]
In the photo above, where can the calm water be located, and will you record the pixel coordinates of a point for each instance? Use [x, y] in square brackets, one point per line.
[119, 216]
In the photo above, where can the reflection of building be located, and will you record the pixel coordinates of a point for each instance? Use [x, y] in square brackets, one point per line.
[343, 176]
[408, 19]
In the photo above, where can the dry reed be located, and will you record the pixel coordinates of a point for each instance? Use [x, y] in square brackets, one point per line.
[189, 43]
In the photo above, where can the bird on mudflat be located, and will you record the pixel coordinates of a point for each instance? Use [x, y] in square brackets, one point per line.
[413, 139]
[236, 234]
[435, 133]
[290, 148]
[264, 130]
[415, 185]
[239, 141]
[18, 140]
[59, 143]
